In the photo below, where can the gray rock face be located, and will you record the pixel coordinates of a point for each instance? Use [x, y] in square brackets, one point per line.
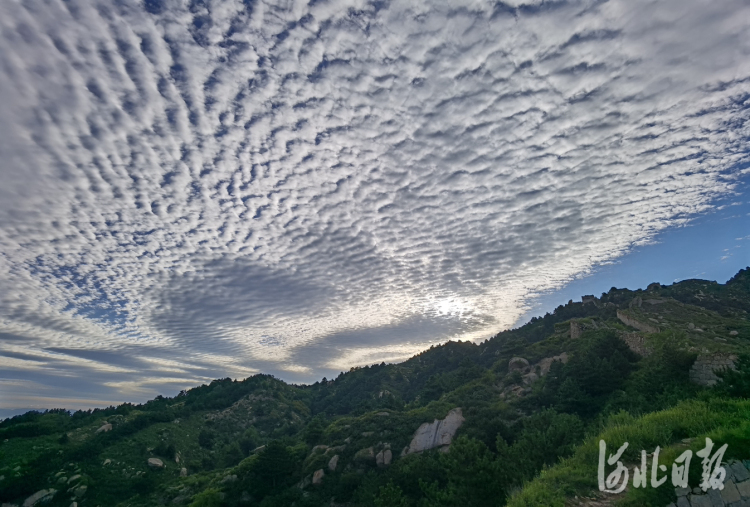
[43, 495]
[733, 333]
[333, 463]
[714, 498]
[155, 463]
[318, 476]
[700, 501]
[682, 491]
[546, 363]
[183, 472]
[80, 491]
[736, 492]
[518, 363]
[730, 494]
[384, 457]
[739, 472]
[103, 429]
[437, 433]
[744, 489]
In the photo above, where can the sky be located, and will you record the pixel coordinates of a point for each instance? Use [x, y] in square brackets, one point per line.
[205, 189]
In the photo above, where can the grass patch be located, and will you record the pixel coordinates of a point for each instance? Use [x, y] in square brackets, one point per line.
[725, 421]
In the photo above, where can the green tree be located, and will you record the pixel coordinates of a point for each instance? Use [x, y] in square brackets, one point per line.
[208, 498]
[546, 437]
[232, 454]
[736, 382]
[274, 468]
[206, 438]
[475, 478]
[314, 430]
[390, 495]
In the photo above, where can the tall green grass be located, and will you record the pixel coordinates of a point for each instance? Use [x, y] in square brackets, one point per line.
[723, 420]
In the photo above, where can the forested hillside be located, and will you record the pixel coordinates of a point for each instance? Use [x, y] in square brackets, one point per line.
[459, 424]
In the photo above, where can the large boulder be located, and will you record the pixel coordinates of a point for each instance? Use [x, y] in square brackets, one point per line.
[155, 463]
[318, 476]
[80, 491]
[518, 363]
[104, 428]
[333, 463]
[43, 495]
[437, 433]
[383, 458]
[546, 363]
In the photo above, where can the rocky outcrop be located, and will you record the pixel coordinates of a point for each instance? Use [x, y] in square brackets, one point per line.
[104, 428]
[437, 433]
[155, 463]
[183, 472]
[229, 479]
[318, 476]
[530, 378]
[546, 363]
[383, 458]
[702, 371]
[532, 374]
[736, 490]
[628, 320]
[333, 463]
[44, 495]
[518, 363]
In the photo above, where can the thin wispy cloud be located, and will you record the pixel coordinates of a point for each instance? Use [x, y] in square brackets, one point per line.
[201, 189]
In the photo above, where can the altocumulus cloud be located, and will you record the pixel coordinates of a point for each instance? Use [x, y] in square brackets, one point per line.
[201, 189]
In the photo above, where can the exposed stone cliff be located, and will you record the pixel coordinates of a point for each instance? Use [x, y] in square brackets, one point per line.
[438, 433]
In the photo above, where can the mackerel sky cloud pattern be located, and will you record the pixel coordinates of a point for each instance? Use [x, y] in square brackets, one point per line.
[202, 189]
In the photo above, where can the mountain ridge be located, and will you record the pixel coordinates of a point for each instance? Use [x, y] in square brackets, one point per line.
[273, 440]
